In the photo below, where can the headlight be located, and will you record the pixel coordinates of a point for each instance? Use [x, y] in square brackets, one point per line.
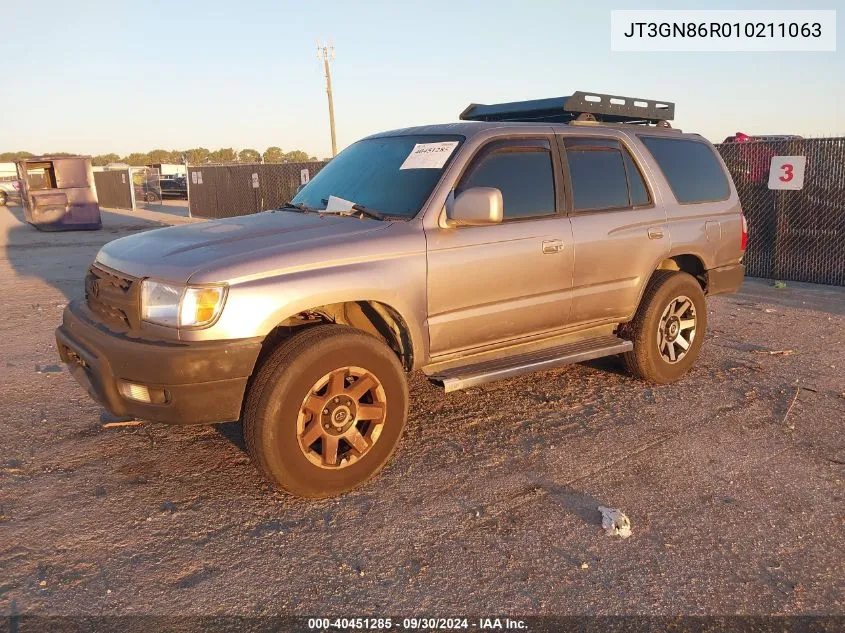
[160, 302]
[175, 305]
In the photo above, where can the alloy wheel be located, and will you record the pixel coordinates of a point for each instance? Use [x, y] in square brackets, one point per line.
[341, 417]
[676, 330]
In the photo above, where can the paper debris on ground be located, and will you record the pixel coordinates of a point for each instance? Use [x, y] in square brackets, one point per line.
[117, 425]
[614, 522]
[48, 369]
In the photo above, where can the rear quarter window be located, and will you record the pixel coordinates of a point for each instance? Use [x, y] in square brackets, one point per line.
[691, 167]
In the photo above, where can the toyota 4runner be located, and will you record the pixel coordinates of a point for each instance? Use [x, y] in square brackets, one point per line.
[527, 236]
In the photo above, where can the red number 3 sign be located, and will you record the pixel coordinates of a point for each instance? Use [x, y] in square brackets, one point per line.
[787, 172]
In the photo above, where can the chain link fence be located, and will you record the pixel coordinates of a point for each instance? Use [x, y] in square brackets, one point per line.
[792, 235]
[145, 182]
[225, 191]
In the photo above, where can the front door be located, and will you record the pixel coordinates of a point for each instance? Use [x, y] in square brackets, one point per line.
[488, 285]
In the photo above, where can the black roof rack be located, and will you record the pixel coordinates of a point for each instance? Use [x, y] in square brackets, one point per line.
[581, 106]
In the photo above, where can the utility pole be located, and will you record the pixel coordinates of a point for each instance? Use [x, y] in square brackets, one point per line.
[324, 54]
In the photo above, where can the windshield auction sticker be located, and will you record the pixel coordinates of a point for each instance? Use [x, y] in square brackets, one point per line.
[429, 155]
[723, 30]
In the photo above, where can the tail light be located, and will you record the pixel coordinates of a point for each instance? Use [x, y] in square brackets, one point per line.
[744, 241]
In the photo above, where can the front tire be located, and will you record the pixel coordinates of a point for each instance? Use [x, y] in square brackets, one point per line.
[3, 199]
[668, 328]
[325, 411]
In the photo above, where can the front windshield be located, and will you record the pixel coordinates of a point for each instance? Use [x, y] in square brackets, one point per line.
[377, 173]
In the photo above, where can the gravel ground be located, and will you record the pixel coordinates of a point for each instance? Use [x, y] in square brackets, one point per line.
[732, 479]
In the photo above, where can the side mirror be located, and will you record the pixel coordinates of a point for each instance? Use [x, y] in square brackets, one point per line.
[476, 206]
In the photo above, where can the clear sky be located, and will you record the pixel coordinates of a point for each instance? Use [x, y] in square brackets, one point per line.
[96, 77]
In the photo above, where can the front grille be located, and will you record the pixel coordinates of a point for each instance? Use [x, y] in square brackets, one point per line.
[113, 297]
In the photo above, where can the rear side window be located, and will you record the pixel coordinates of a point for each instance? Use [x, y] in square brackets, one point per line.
[691, 167]
[603, 175]
[524, 175]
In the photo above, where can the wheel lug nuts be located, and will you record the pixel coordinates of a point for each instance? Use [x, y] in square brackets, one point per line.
[326, 411]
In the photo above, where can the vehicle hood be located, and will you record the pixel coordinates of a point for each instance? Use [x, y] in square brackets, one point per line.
[178, 252]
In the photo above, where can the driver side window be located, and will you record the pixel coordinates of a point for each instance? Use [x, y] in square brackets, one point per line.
[523, 173]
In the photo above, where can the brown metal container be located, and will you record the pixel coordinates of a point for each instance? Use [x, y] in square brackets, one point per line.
[58, 193]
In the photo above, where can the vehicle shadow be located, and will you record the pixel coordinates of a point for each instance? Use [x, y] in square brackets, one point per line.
[233, 432]
[608, 364]
[60, 259]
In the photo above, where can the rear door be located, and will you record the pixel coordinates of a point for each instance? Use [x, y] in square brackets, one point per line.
[488, 285]
[703, 210]
[618, 225]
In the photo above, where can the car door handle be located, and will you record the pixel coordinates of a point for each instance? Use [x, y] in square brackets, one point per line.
[552, 246]
[655, 233]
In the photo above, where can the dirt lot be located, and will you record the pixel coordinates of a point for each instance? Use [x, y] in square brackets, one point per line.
[733, 480]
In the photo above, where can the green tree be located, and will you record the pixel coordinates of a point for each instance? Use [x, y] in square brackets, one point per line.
[11, 157]
[101, 160]
[273, 154]
[137, 159]
[223, 155]
[176, 157]
[296, 156]
[198, 155]
[159, 156]
[249, 156]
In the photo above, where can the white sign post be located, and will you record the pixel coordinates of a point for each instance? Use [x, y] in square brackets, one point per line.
[255, 181]
[787, 172]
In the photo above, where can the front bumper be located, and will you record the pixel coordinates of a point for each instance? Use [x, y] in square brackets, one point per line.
[204, 381]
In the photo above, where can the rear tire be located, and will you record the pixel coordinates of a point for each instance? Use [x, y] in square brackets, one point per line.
[667, 329]
[3, 199]
[306, 425]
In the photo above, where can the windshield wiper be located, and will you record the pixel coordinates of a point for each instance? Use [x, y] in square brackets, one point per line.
[370, 213]
[298, 206]
[358, 208]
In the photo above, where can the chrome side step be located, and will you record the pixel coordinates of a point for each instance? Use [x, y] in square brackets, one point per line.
[465, 376]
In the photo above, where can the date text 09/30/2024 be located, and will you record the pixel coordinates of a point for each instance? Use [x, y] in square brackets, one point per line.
[412, 624]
